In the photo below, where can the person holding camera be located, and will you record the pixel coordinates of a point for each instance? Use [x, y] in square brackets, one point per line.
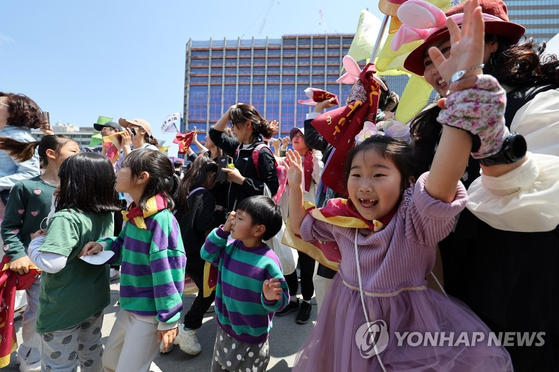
[248, 177]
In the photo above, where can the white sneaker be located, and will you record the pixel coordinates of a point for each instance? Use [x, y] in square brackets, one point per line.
[28, 367]
[188, 342]
[114, 274]
[165, 351]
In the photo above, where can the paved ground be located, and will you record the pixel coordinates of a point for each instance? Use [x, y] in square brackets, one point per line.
[285, 339]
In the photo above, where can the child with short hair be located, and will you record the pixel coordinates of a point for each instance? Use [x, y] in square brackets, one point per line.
[250, 285]
[151, 254]
[73, 292]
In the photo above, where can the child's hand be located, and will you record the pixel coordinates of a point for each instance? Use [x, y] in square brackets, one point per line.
[167, 337]
[285, 142]
[21, 265]
[90, 248]
[294, 168]
[272, 289]
[38, 233]
[227, 226]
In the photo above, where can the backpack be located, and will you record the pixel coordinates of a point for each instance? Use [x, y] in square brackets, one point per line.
[280, 170]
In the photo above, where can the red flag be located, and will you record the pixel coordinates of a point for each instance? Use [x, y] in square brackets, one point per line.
[340, 126]
[183, 140]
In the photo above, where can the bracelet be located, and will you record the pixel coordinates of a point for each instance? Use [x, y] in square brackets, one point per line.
[460, 73]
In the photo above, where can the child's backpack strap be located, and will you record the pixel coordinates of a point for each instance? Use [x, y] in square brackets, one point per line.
[280, 170]
[256, 154]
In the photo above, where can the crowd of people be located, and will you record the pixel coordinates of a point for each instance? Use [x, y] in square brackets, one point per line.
[474, 175]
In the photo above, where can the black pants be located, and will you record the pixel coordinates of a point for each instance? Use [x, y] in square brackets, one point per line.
[306, 266]
[195, 269]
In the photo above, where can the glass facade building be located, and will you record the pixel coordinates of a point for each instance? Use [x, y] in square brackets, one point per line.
[270, 74]
[540, 17]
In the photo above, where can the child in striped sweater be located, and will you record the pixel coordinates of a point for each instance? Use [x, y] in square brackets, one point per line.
[250, 285]
[151, 254]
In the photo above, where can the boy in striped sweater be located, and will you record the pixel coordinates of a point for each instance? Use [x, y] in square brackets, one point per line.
[250, 284]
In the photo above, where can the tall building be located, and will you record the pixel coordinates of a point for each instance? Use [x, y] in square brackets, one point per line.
[270, 74]
[540, 17]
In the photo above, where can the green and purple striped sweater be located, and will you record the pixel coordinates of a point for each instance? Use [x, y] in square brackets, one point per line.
[152, 265]
[241, 308]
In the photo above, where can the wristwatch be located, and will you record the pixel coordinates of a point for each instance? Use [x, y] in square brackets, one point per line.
[460, 73]
[513, 149]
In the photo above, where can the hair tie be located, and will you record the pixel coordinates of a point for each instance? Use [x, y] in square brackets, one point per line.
[390, 128]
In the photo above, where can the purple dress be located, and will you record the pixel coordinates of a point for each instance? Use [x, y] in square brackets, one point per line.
[411, 325]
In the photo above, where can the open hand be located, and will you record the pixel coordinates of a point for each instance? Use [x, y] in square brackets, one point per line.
[294, 168]
[272, 289]
[467, 44]
[274, 124]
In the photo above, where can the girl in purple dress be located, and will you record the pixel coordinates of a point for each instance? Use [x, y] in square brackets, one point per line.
[379, 314]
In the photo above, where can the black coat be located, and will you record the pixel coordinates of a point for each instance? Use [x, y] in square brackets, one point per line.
[254, 181]
[200, 219]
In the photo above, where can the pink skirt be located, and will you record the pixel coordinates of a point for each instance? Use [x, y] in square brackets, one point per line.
[414, 330]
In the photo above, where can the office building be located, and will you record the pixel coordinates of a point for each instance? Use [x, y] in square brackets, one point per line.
[270, 74]
[540, 17]
[82, 135]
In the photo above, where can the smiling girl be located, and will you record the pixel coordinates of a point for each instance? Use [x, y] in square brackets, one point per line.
[387, 231]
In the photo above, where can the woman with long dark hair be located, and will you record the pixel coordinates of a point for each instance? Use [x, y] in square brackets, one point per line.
[248, 177]
[505, 270]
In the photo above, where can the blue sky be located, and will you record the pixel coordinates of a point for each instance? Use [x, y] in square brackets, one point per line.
[82, 59]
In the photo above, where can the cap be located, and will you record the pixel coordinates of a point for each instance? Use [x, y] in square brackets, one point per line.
[294, 130]
[137, 122]
[111, 124]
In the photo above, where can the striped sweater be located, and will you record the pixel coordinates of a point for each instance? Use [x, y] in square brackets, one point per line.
[242, 310]
[152, 268]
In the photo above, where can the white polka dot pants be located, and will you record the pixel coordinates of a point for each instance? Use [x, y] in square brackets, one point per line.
[62, 350]
[232, 355]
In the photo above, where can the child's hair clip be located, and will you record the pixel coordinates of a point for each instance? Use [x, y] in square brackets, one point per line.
[390, 128]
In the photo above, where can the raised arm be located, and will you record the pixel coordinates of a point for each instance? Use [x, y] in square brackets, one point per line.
[455, 145]
[294, 176]
[203, 149]
[221, 124]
